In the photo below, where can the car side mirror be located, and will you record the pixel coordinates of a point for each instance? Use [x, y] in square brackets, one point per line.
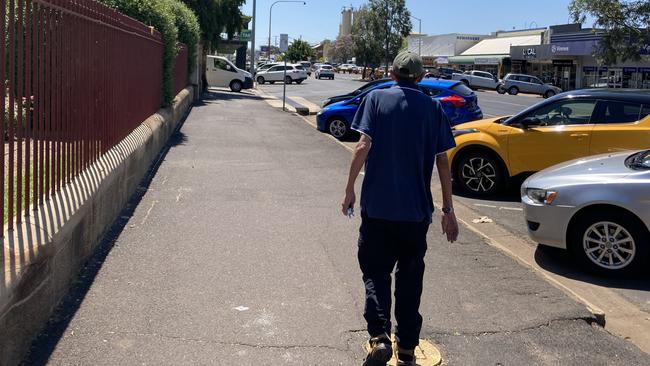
[527, 122]
[356, 101]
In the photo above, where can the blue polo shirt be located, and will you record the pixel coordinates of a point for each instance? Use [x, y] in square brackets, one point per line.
[408, 129]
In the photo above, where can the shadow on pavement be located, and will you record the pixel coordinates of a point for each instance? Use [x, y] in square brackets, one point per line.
[45, 343]
[223, 95]
[510, 194]
[560, 262]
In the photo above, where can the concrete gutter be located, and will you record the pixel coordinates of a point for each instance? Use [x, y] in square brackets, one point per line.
[42, 255]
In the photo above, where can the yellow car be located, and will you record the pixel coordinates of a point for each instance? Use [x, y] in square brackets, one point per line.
[568, 126]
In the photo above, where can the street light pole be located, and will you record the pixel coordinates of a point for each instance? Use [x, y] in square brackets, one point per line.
[419, 35]
[270, 17]
[253, 40]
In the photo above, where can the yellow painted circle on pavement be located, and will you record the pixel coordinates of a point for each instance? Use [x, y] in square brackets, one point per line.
[426, 354]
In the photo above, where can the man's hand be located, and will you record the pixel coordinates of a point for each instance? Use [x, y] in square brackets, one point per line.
[450, 226]
[348, 201]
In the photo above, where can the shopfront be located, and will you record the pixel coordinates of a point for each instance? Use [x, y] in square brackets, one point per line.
[551, 63]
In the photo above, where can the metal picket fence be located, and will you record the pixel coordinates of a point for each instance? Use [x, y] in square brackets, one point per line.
[78, 78]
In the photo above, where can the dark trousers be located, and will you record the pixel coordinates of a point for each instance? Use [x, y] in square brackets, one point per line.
[383, 246]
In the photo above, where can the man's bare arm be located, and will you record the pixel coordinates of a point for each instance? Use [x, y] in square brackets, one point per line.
[449, 223]
[358, 159]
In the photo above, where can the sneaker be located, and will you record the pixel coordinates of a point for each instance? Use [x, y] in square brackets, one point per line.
[405, 359]
[381, 351]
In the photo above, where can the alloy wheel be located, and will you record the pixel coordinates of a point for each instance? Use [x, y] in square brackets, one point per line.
[479, 175]
[609, 245]
[338, 128]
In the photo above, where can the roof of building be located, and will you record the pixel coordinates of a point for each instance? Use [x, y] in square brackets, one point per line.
[501, 45]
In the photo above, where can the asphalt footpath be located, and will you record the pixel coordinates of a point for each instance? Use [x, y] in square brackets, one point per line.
[234, 253]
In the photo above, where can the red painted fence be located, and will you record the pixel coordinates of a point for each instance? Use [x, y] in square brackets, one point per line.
[78, 78]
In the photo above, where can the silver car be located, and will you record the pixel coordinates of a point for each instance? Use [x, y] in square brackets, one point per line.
[294, 73]
[597, 207]
[515, 83]
[324, 71]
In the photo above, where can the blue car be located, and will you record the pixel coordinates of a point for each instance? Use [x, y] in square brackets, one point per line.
[458, 101]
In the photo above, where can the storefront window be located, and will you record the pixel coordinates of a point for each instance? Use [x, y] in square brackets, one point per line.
[644, 77]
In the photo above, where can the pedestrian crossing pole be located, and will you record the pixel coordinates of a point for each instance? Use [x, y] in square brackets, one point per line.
[284, 85]
[284, 47]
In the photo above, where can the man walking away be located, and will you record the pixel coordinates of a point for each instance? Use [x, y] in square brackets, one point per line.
[403, 134]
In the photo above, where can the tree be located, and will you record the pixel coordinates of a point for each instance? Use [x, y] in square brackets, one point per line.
[395, 20]
[343, 49]
[368, 46]
[215, 16]
[625, 23]
[299, 50]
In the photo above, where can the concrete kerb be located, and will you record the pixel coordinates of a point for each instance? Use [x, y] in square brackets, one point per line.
[297, 105]
[42, 255]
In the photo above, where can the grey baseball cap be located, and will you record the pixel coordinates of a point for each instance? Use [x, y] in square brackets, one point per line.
[408, 65]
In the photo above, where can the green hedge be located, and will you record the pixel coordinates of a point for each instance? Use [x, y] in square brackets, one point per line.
[189, 31]
[174, 21]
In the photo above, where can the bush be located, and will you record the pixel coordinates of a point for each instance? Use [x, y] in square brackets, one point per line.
[189, 31]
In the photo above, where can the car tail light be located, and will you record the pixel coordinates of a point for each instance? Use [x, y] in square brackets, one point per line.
[455, 100]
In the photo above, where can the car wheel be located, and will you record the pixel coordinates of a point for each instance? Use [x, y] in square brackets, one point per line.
[501, 89]
[549, 93]
[610, 242]
[332, 78]
[299, 81]
[479, 173]
[271, 82]
[337, 128]
[513, 90]
[287, 80]
[260, 80]
[236, 86]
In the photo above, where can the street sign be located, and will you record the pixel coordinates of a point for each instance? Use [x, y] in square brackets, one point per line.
[245, 35]
[284, 43]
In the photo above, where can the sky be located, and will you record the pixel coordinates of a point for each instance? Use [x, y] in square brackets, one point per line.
[320, 19]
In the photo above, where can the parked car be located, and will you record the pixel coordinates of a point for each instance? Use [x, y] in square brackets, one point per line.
[324, 71]
[459, 103]
[478, 80]
[223, 73]
[354, 93]
[442, 73]
[515, 83]
[295, 73]
[307, 66]
[595, 207]
[565, 127]
[265, 66]
[315, 67]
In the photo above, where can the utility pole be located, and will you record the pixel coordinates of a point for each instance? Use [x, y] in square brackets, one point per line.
[253, 41]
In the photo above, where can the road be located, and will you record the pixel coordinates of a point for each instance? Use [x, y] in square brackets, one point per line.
[235, 252]
[506, 209]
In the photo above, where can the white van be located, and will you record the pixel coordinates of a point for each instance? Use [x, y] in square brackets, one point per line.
[221, 73]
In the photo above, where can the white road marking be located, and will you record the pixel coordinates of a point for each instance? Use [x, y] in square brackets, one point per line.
[511, 208]
[502, 102]
[484, 205]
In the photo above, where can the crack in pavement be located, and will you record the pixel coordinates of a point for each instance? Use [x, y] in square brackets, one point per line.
[222, 343]
[588, 320]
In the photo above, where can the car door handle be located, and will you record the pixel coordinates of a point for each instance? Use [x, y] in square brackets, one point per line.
[579, 135]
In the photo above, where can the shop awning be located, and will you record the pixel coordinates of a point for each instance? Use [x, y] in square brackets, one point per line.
[478, 59]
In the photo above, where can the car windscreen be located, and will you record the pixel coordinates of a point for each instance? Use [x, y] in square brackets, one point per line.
[639, 161]
[326, 67]
[461, 89]
[298, 67]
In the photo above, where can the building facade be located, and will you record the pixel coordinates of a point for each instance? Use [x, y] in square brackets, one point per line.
[437, 49]
[492, 54]
[565, 59]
